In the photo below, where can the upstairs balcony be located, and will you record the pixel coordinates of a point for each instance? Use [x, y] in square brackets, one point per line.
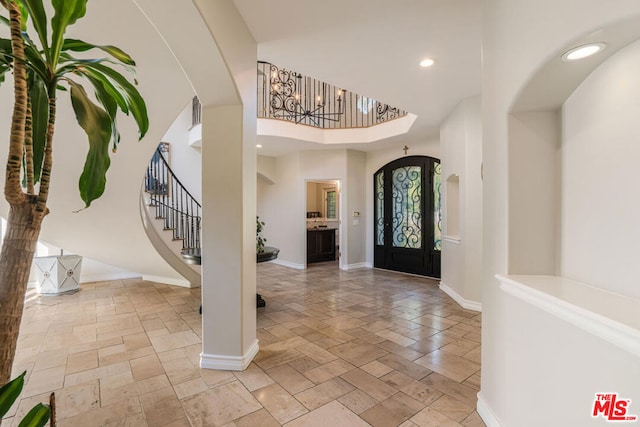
[297, 106]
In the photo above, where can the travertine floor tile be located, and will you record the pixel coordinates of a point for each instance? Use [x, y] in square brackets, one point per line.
[392, 411]
[452, 408]
[173, 341]
[330, 370]
[261, 418]
[429, 417]
[161, 407]
[253, 378]
[358, 353]
[332, 414]
[280, 404]
[71, 401]
[321, 394]
[336, 348]
[190, 388]
[376, 368]
[449, 365]
[290, 379]
[218, 406]
[358, 401]
[369, 384]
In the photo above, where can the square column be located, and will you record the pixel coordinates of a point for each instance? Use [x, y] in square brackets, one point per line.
[228, 240]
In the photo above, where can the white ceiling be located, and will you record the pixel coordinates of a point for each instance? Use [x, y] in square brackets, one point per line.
[373, 47]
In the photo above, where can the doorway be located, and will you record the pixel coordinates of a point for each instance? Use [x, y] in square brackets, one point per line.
[407, 221]
[323, 221]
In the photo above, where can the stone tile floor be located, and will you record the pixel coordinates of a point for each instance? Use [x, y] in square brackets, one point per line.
[337, 348]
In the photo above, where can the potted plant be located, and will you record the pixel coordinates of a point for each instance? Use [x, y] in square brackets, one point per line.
[260, 241]
[43, 65]
[264, 253]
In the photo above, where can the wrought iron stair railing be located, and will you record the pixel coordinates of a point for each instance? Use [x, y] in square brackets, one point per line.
[173, 203]
[288, 95]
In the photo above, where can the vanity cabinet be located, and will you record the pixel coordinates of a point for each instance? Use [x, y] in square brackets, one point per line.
[321, 245]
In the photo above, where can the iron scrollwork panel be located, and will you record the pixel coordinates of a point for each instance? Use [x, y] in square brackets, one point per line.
[437, 208]
[284, 87]
[407, 207]
[380, 209]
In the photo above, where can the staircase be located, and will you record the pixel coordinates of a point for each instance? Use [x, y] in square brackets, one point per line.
[172, 217]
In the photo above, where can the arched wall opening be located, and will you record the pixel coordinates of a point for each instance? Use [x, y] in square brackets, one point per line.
[559, 164]
[571, 148]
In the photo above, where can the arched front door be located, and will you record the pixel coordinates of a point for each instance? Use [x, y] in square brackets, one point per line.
[407, 223]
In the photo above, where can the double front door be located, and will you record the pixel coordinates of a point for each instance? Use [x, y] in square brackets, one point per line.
[407, 222]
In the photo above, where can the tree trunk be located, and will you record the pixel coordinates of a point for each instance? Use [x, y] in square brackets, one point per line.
[23, 229]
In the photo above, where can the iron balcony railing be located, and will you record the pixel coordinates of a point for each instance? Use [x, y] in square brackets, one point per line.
[288, 95]
[173, 202]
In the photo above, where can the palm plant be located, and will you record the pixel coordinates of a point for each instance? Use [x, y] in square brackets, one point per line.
[40, 70]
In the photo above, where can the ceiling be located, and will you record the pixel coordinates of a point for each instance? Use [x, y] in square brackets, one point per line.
[373, 47]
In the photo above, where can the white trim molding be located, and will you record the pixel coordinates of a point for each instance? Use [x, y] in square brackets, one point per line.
[108, 277]
[452, 239]
[356, 266]
[289, 264]
[229, 363]
[464, 303]
[485, 412]
[608, 316]
[167, 281]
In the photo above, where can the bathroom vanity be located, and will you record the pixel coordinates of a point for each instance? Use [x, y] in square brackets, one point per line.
[321, 244]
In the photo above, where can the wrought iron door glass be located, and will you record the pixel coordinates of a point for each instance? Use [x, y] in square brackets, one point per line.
[437, 212]
[407, 207]
[380, 208]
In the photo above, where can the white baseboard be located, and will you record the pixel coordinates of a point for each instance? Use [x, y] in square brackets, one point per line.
[289, 264]
[466, 304]
[96, 278]
[167, 281]
[355, 266]
[485, 412]
[229, 363]
[108, 277]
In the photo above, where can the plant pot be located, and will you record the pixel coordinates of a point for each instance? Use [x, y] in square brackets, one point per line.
[58, 274]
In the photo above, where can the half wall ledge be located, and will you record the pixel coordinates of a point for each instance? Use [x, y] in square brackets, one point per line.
[609, 316]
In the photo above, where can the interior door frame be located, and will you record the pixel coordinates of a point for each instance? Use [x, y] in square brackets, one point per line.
[341, 241]
[425, 261]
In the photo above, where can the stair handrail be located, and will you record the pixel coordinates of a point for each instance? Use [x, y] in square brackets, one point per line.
[172, 201]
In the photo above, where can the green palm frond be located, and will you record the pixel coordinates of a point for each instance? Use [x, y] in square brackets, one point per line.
[52, 67]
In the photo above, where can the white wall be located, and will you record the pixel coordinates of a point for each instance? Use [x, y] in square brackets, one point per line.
[283, 205]
[519, 36]
[461, 148]
[92, 270]
[600, 175]
[533, 192]
[374, 161]
[185, 161]
[354, 194]
[111, 231]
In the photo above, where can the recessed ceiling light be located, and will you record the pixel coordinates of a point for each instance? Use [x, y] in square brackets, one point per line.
[258, 146]
[583, 51]
[427, 62]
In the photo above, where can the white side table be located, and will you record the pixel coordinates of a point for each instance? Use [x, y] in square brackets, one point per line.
[58, 274]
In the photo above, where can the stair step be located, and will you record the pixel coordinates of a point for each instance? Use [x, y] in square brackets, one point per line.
[167, 229]
[175, 239]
